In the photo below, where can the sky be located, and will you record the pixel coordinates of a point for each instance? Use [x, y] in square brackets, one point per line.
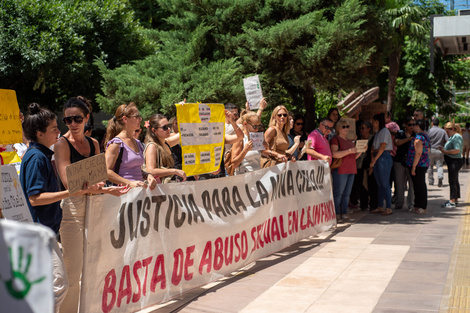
[458, 4]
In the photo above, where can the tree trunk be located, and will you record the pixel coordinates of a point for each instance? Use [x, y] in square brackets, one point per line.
[309, 104]
[394, 67]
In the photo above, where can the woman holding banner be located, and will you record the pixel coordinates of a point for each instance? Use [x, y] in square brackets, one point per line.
[72, 147]
[125, 154]
[276, 137]
[158, 142]
[40, 185]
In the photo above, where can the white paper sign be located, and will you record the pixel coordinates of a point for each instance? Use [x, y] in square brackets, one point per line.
[257, 138]
[26, 268]
[253, 91]
[91, 170]
[14, 203]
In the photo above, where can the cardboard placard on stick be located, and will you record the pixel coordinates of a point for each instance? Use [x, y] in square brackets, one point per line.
[90, 170]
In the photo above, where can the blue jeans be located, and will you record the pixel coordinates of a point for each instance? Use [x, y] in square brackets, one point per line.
[342, 185]
[382, 170]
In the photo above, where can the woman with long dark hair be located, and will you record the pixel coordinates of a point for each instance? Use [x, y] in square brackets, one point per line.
[381, 163]
[72, 147]
[158, 158]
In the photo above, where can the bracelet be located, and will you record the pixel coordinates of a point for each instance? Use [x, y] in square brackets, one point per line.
[270, 152]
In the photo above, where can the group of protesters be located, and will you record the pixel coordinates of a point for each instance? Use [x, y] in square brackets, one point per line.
[410, 152]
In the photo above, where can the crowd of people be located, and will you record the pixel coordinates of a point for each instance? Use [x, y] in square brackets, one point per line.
[394, 156]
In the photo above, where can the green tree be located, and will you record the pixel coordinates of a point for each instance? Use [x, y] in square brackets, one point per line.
[295, 46]
[48, 47]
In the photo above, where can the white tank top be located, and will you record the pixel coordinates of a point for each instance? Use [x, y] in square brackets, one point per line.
[251, 162]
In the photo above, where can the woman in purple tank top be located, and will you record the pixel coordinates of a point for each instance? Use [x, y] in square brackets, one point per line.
[126, 168]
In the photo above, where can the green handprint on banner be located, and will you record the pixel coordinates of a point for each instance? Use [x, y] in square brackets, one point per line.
[19, 285]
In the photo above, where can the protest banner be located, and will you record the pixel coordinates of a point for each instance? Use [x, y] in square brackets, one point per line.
[26, 268]
[146, 246]
[10, 124]
[202, 131]
[253, 91]
[14, 202]
[91, 170]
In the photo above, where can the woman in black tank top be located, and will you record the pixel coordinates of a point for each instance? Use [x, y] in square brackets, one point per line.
[74, 146]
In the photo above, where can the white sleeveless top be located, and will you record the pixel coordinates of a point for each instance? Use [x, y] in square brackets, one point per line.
[251, 162]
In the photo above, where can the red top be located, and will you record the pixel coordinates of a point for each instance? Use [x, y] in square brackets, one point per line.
[349, 161]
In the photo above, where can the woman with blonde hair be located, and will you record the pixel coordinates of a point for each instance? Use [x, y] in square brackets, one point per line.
[243, 157]
[159, 140]
[452, 151]
[343, 176]
[276, 138]
[124, 154]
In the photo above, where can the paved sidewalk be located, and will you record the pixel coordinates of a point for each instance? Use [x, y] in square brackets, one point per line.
[403, 262]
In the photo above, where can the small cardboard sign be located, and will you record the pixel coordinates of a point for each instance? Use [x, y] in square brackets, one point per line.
[90, 170]
[253, 91]
[361, 145]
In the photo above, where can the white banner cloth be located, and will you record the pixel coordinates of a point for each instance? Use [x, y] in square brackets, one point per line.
[149, 246]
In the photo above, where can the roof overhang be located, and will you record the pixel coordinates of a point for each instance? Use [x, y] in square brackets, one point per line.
[452, 34]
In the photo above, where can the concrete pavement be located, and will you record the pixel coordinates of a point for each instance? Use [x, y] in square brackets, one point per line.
[403, 262]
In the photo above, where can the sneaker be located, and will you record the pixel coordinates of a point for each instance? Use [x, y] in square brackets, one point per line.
[439, 184]
[449, 204]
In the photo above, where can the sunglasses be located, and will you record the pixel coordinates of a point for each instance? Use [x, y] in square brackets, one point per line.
[164, 127]
[299, 124]
[345, 126]
[254, 126]
[328, 127]
[411, 124]
[282, 115]
[78, 119]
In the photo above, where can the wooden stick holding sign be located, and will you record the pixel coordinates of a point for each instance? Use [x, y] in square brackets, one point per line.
[90, 170]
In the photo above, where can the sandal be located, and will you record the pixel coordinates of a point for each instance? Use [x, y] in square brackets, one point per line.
[378, 210]
[387, 212]
[420, 211]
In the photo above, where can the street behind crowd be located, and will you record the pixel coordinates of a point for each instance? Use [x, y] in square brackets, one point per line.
[404, 262]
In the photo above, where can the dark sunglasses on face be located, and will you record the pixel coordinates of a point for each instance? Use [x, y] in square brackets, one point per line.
[345, 126]
[411, 124]
[254, 126]
[164, 127]
[328, 127]
[299, 124]
[76, 118]
[282, 115]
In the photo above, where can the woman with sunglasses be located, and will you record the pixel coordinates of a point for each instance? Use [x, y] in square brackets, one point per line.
[417, 161]
[452, 151]
[276, 138]
[343, 176]
[125, 154]
[381, 163]
[72, 147]
[298, 130]
[158, 158]
[243, 157]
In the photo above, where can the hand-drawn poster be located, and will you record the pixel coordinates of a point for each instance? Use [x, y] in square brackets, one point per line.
[14, 202]
[10, 124]
[253, 91]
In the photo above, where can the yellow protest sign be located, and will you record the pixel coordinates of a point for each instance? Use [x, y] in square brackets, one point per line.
[10, 124]
[11, 158]
[202, 131]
